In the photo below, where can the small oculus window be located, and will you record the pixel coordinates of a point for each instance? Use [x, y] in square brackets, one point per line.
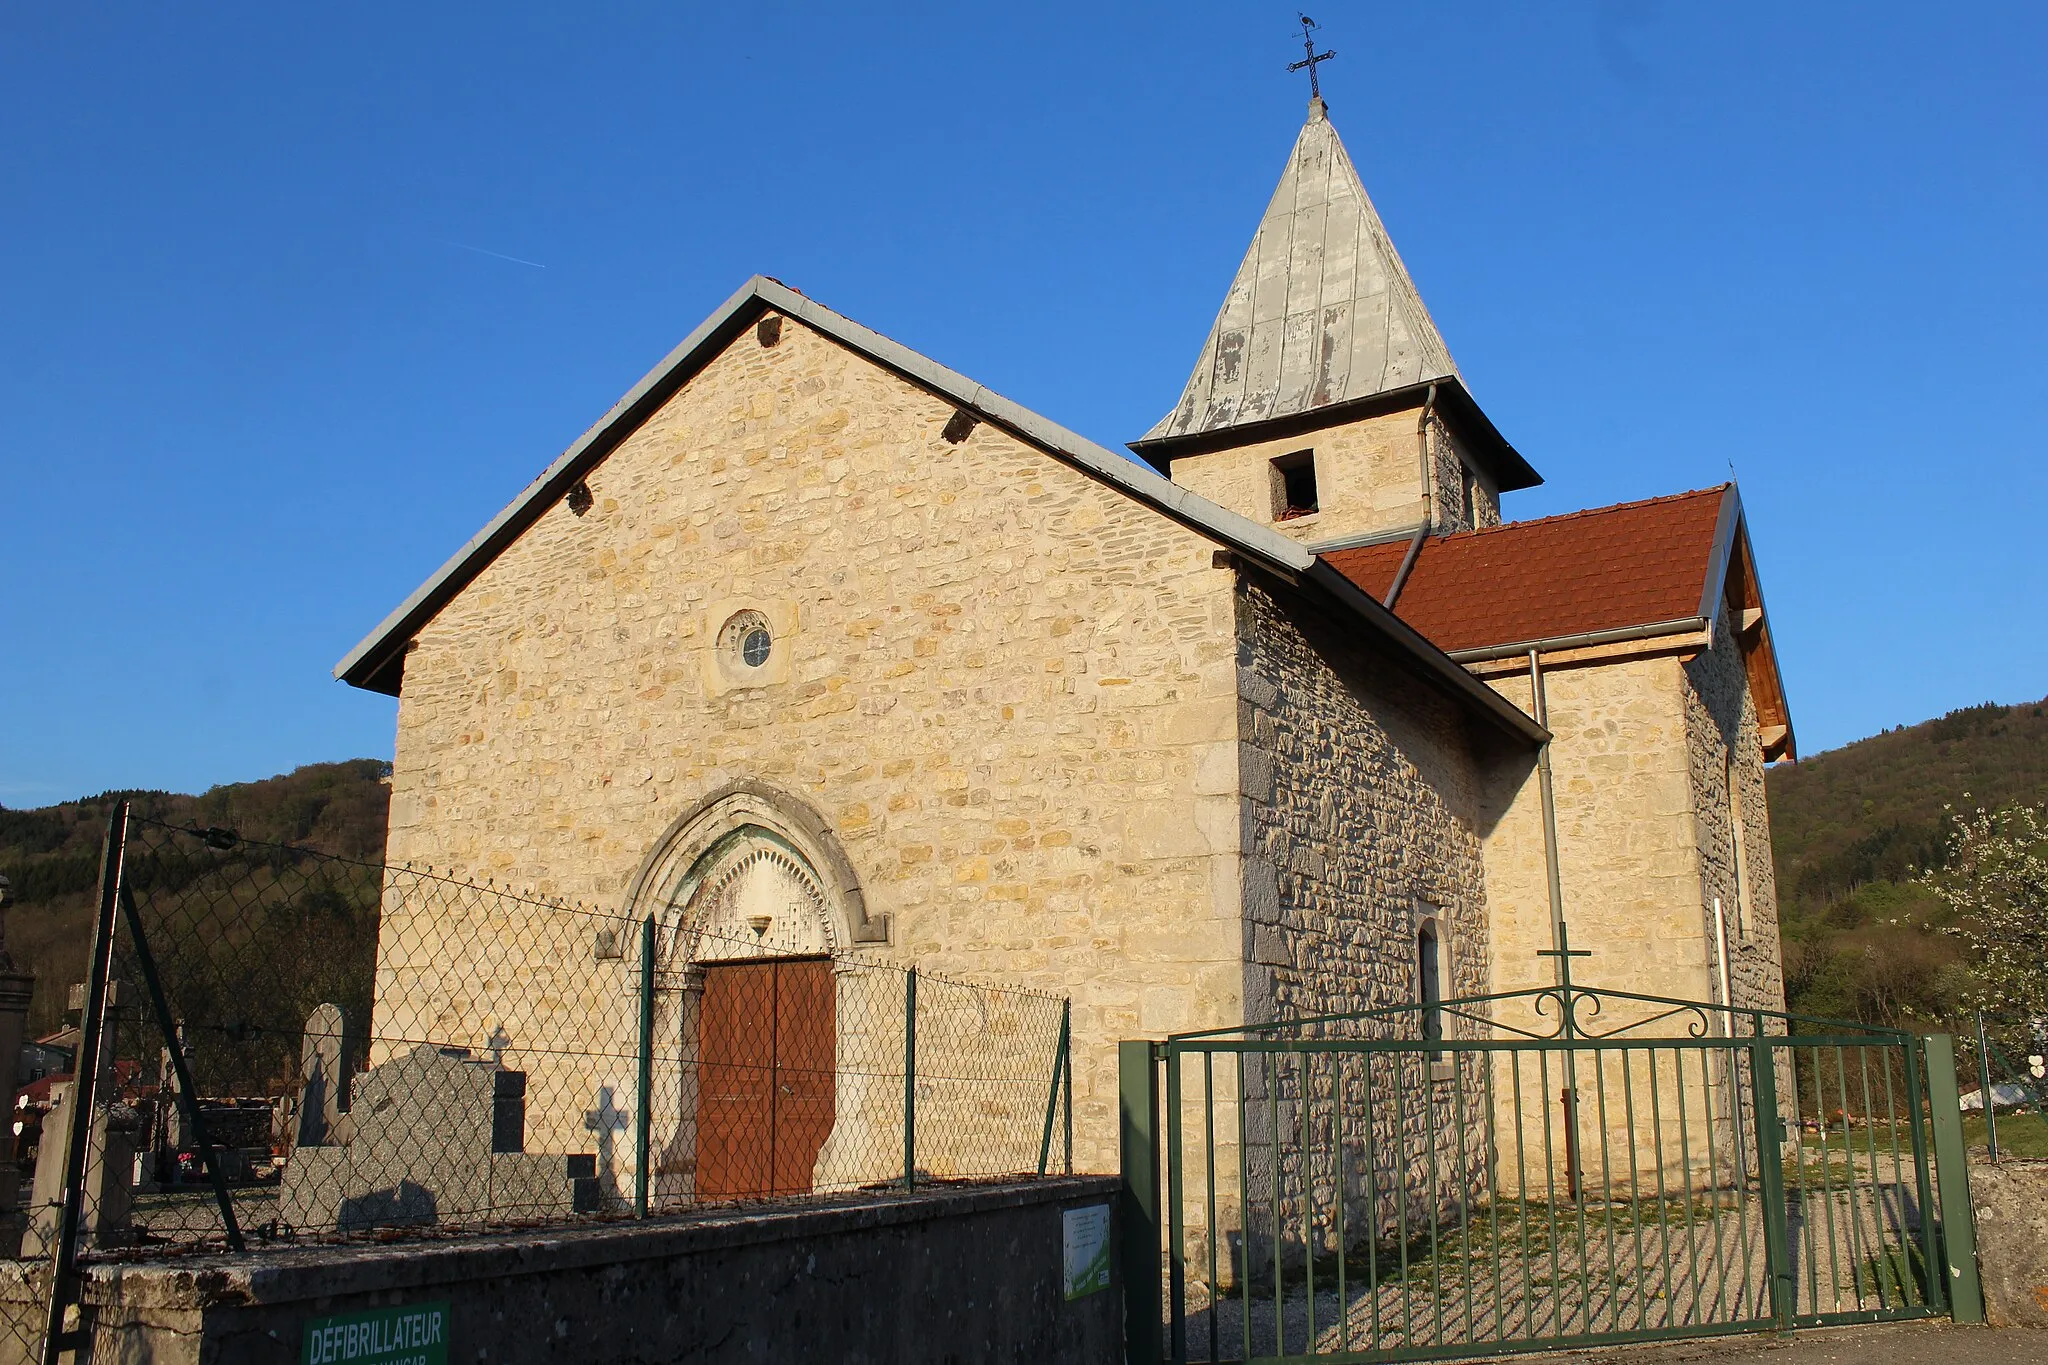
[746, 640]
[1294, 486]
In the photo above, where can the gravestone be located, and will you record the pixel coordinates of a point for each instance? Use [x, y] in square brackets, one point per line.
[109, 1148]
[109, 1164]
[433, 1136]
[323, 1061]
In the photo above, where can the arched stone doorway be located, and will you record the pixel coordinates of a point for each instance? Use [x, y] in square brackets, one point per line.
[754, 905]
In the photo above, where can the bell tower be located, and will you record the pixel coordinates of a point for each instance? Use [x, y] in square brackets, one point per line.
[1324, 402]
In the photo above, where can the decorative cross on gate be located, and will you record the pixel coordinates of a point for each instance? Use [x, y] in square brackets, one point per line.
[1564, 953]
[1569, 1096]
[1308, 45]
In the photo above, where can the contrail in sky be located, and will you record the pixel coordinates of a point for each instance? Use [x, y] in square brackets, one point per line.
[499, 254]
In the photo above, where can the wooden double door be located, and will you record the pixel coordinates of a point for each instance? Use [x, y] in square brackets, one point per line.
[765, 1095]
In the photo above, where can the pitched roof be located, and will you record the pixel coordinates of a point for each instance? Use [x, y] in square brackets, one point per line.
[1635, 564]
[378, 661]
[1322, 311]
[1633, 570]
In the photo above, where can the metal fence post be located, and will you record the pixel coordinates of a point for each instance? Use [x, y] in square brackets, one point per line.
[1770, 1178]
[84, 1089]
[910, 1080]
[1984, 1091]
[1138, 1146]
[1936, 1287]
[181, 1071]
[1052, 1098]
[1067, 1095]
[642, 1112]
[1952, 1169]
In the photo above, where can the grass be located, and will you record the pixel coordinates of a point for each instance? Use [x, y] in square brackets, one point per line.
[1494, 1233]
[2020, 1135]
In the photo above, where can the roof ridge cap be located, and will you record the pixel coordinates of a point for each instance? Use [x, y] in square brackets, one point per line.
[1715, 489]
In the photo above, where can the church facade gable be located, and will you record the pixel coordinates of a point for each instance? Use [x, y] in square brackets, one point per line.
[1008, 690]
[1011, 696]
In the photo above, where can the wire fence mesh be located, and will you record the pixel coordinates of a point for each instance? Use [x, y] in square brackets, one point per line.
[2004, 1065]
[392, 1050]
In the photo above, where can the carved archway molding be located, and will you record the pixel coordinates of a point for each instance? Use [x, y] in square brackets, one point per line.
[748, 851]
[737, 836]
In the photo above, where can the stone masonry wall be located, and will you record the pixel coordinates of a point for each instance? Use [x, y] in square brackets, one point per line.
[1368, 478]
[1629, 869]
[931, 1278]
[1361, 815]
[1010, 692]
[1360, 807]
[1722, 742]
[1621, 771]
[1451, 462]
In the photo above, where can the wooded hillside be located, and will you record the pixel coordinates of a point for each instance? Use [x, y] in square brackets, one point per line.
[52, 855]
[1851, 828]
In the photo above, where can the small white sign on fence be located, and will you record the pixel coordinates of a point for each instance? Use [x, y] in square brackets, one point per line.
[1084, 1247]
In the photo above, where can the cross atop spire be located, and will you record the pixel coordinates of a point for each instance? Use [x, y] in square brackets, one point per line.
[1308, 45]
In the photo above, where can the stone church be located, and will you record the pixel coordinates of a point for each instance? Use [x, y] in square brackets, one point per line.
[1278, 718]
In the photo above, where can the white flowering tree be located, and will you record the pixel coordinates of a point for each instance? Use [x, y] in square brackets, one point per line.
[1996, 883]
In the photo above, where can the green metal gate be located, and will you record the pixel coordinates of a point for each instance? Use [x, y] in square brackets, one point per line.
[1531, 1171]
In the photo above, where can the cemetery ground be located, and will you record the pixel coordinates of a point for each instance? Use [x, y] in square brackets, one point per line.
[1934, 1342]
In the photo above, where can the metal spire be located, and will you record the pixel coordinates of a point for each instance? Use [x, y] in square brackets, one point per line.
[1321, 310]
[1308, 45]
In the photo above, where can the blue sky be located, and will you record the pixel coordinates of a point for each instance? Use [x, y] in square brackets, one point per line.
[260, 372]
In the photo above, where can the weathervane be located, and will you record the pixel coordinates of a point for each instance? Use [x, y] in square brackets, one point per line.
[1308, 45]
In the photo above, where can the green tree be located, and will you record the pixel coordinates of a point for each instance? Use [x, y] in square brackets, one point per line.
[1995, 882]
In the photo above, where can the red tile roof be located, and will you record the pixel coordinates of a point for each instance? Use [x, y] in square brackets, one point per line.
[1633, 564]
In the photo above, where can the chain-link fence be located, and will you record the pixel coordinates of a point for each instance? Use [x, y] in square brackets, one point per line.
[298, 1046]
[2005, 1060]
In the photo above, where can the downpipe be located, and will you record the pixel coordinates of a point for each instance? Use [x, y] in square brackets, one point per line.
[1568, 1098]
[1423, 463]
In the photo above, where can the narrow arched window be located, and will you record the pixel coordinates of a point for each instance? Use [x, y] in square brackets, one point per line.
[1429, 980]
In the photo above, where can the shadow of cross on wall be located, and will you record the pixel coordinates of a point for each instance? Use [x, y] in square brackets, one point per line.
[604, 1121]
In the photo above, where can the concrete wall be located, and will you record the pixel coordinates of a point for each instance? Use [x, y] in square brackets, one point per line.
[2011, 1200]
[1007, 690]
[948, 1275]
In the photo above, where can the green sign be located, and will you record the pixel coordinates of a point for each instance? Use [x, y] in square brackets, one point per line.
[1084, 1249]
[413, 1335]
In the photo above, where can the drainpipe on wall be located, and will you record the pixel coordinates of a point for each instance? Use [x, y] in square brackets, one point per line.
[1728, 1004]
[1428, 499]
[1568, 1098]
[1544, 790]
[1721, 951]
